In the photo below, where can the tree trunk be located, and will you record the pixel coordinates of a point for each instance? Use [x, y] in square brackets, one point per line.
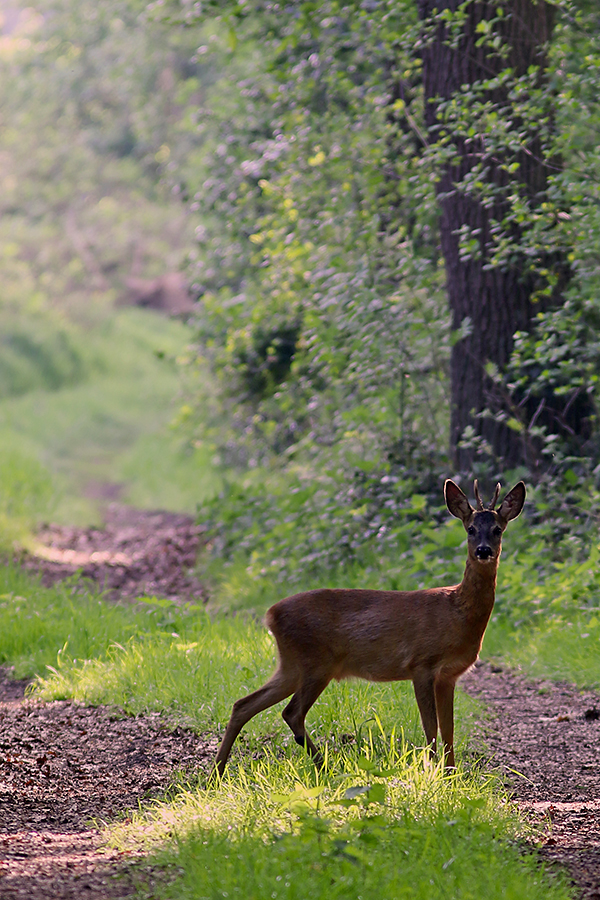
[497, 298]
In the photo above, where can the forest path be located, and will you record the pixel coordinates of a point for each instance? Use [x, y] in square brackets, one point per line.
[62, 764]
[545, 737]
[66, 768]
[137, 553]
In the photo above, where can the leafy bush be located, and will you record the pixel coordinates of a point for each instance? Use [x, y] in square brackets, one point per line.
[273, 535]
[318, 188]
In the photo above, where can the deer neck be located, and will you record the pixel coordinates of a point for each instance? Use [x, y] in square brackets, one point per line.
[477, 590]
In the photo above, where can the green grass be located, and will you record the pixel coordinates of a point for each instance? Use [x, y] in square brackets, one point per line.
[112, 426]
[27, 494]
[41, 626]
[412, 833]
[547, 616]
[564, 648]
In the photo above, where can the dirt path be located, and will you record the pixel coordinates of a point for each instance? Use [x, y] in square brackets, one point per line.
[137, 552]
[62, 764]
[550, 735]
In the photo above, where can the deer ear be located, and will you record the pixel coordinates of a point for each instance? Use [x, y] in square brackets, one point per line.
[457, 502]
[512, 504]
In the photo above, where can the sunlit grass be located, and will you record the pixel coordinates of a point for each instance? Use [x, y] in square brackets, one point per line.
[387, 774]
[384, 823]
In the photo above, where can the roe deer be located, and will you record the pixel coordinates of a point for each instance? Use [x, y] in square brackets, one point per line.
[430, 637]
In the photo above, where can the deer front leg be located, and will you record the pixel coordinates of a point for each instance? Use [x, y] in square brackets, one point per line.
[423, 684]
[444, 701]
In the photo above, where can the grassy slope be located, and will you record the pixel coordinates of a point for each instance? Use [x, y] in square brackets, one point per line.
[112, 426]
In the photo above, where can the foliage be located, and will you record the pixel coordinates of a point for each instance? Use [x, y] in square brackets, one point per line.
[307, 311]
[271, 534]
[322, 307]
[309, 186]
[550, 368]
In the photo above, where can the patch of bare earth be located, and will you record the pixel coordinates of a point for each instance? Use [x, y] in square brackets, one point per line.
[63, 765]
[136, 553]
[546, 738]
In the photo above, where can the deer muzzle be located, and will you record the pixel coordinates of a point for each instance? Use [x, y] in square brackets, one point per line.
[484, 552]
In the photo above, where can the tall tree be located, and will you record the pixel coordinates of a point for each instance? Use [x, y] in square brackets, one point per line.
[488, 111]
[325, 220]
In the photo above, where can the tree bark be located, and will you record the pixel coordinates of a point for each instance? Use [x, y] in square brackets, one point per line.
[497, 299]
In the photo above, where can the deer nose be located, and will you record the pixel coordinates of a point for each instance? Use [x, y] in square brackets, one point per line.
[483, 552]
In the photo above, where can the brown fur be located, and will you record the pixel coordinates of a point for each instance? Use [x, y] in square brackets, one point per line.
[430, 637]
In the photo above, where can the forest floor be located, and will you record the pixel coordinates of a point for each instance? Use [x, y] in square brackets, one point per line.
[65, 768]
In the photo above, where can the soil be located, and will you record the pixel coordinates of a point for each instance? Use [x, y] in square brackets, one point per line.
[545, 737]
[136, 553]
[65, 768]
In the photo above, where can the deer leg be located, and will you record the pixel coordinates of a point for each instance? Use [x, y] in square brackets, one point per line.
[277, 688]
[425, 694]
[295, 713]
[444, 702]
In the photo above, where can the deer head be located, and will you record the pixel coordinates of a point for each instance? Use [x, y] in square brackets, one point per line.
[484, 525]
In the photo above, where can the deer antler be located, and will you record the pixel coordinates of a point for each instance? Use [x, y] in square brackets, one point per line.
[480, 505]
[495, 497]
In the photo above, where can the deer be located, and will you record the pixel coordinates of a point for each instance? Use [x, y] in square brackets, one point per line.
[430, 636]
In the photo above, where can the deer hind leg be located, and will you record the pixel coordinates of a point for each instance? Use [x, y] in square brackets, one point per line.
[295, 713]
[425, 694]
[277, 688]
[444, 702]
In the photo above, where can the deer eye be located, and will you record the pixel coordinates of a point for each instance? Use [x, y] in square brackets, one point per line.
[496, 531]
[471, 530]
